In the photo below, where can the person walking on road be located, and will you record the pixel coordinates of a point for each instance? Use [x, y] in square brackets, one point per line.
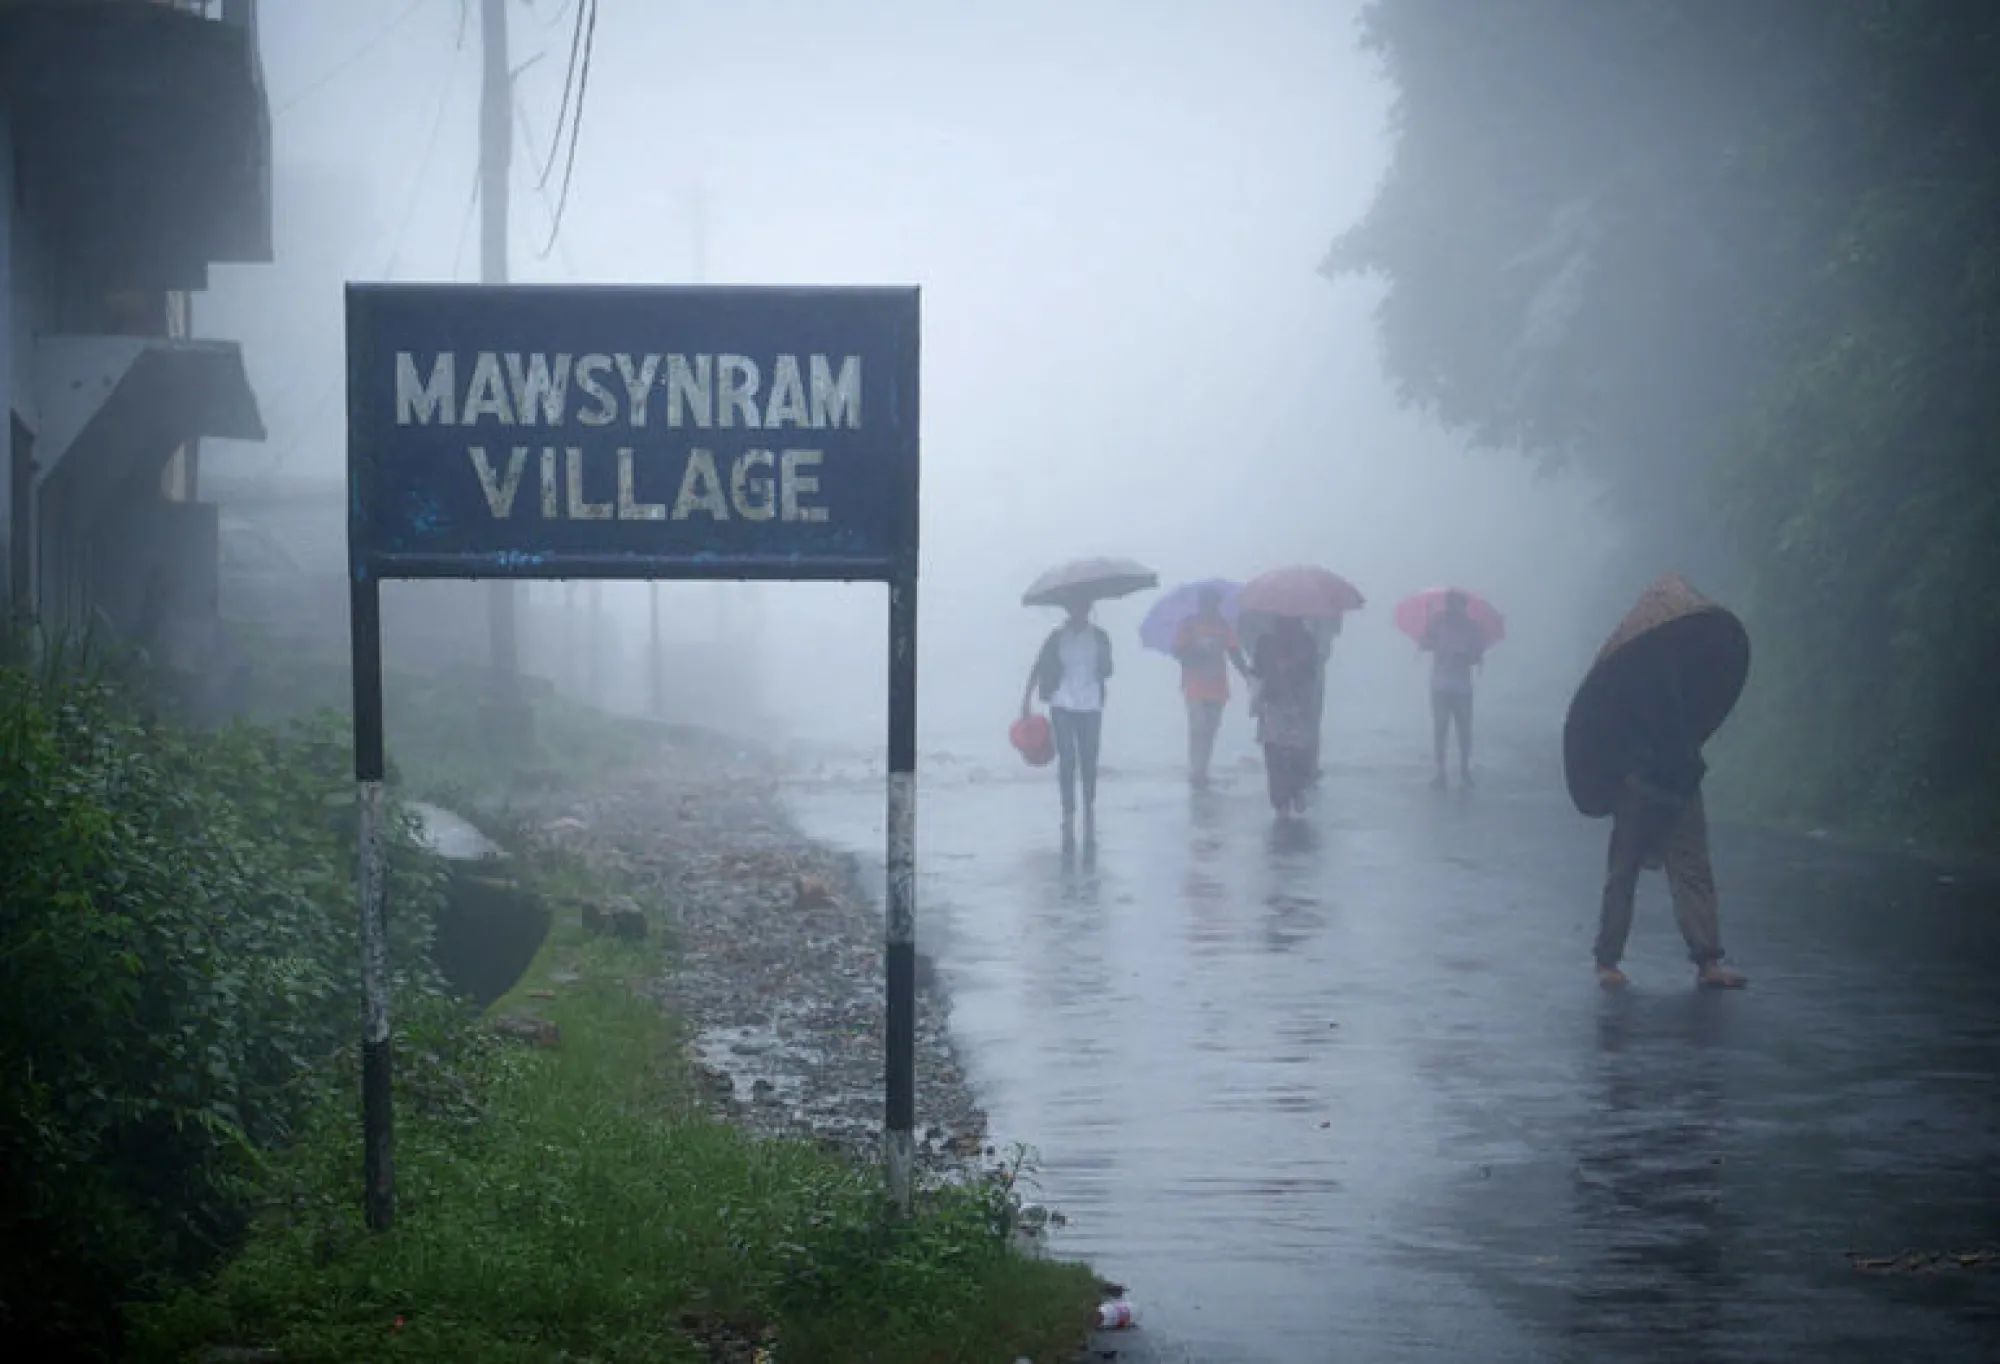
[1309, 602]
[1206, 646]
[1070, 673]
[1285, 665]
[1457, 645]
[1632, 749]
[1323, 633]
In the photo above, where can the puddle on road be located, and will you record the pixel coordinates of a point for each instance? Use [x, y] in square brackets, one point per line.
[1346, 1086]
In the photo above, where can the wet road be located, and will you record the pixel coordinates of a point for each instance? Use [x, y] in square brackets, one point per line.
[1346, 1088]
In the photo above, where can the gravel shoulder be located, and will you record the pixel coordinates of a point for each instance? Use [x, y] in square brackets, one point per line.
[778, 960]
[778, 970]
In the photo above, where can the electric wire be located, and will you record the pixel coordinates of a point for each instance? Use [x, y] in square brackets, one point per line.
[347, 63]
[575, 129]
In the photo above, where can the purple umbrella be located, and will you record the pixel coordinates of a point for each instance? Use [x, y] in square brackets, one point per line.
[1162, 625]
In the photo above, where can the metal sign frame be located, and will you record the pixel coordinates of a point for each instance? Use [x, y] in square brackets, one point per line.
[406, 522]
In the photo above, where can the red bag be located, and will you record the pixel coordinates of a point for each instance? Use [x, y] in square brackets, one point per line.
[1033, 739]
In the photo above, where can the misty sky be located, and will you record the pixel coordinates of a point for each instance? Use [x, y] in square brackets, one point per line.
[1114, 210]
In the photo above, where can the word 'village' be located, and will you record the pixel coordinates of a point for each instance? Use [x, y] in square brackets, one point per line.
[596, 390]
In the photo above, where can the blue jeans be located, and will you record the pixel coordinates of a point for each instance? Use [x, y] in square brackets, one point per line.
[1077, 733]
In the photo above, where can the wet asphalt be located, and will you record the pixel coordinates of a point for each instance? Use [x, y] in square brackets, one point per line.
[1344, 1087]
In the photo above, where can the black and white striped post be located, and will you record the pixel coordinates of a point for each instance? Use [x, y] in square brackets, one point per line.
[900, 919]
[377, 1124]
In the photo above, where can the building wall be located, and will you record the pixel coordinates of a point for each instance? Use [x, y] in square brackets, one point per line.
[8, 351]
[33, 290]
[79, 152]
[29, 290]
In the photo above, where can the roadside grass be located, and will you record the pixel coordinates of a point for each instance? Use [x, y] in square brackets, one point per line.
[571, 1203]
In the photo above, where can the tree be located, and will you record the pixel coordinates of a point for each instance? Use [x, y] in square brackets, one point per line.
[1739, 262]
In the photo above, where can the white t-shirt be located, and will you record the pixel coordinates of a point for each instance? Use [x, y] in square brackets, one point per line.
[1456, 645]
[1080, 688]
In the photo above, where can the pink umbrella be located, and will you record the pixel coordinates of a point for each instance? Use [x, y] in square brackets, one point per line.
[1302, 590]
[1414, 614]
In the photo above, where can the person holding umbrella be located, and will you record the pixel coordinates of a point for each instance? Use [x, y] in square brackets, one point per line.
[1295, 613]
[1072, 667]
[1195, 625]
[1659, 688]
[1456, 629]
[1316, 599]
[1206, 645]
[1324, 633]
[1286, 665]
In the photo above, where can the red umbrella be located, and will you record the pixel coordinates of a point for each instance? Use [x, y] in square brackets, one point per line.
[1414, 613]
[1302, 590]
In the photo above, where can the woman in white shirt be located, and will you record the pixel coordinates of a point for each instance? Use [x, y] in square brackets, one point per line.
[1070, 672]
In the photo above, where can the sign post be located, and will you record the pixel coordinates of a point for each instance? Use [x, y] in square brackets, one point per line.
[522, 432]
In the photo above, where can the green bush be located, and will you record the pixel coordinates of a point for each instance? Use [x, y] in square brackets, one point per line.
[571, 1203]
[177, 961]
[179, 1144]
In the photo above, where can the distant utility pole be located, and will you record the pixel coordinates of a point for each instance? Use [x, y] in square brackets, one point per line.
[573, 669]
[657, 652]
[739, 605]
[657, 693]
[496, 146]
[597, 643]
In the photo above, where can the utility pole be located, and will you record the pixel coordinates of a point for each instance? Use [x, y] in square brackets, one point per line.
[656, 652]
[657, 693]
[496, 147]
[739, 605]
[597, 643]
[573, 669]
[723, 596]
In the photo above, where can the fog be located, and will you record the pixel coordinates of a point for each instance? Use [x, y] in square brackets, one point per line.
[1115, 212]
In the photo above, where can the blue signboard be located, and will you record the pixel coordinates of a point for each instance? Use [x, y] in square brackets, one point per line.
[538, 432]
[550, 432]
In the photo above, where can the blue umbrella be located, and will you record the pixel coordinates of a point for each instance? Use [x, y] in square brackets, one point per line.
[1162, 625]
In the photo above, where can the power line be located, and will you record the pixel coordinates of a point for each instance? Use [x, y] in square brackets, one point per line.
[520, 110]
[354, 258]
[415, 193]
[328, 76]
[575, 129]
[306, 428]
[333, 386]
[563, 105]
[548, 205]
[386, 233]
[464, 223]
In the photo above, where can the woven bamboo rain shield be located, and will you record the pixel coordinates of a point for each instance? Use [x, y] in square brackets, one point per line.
[1672, 627]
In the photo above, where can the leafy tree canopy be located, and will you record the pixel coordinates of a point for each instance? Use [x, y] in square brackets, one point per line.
[1739, 261]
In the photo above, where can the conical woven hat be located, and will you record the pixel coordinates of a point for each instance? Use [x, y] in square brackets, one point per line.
[1671, 626]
